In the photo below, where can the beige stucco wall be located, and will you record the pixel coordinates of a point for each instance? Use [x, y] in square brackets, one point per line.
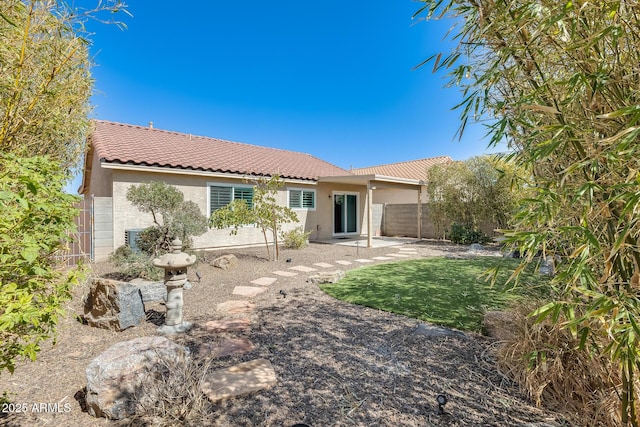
[194, 188]
[100, 183]
[397, 196]
[324, 215]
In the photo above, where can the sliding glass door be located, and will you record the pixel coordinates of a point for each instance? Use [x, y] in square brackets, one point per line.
[345, 213]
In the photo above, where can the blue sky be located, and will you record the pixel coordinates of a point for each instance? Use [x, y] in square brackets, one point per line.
[334, 79]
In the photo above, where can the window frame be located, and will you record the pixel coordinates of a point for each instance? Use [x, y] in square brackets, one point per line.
[302, 191]
[227, 185]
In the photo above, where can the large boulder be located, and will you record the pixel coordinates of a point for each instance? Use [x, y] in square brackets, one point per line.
[151, 291]
[115, 379]
[225, 262]
[113, 305]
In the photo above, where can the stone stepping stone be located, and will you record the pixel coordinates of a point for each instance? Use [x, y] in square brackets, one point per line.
[227, 325]
[239, 380]
[248, 291]
[323, 264]
[235, 307]
[406, 249]
[382, 258]
[344, 262]
[264, 281]
[284, 273]
[303, 268]
[363, 261]
[398, 255]
[227, 347]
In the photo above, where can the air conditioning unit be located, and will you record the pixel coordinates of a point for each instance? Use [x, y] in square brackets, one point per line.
[131, 238]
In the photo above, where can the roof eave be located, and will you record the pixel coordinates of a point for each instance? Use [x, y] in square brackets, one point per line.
[372, 179]
[197, 172]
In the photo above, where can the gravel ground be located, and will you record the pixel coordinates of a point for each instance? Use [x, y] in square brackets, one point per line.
[337, 364]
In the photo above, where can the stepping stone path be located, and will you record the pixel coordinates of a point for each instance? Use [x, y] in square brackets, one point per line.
[259, 374]
[239, 380]
[248, 291]
[264, 281]
[227, 325]
[284, 273]
[227, 347]
[323, 265]
[302, 268]
[235, 307]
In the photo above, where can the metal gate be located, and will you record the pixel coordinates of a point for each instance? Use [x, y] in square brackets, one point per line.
[80, 246]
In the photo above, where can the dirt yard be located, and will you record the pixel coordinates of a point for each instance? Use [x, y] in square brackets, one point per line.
[336, 364]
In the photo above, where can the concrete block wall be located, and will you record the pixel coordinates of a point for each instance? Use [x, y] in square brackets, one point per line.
[102, 228]
[402, 220]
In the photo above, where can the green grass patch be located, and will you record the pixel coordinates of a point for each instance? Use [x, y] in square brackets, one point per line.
[448, 292]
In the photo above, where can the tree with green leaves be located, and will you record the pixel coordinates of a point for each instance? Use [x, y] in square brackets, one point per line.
[45, 87]
[469, 192]
[265, 213]
[37, 217]
[173, 217]
[45, 79]
[558, 82]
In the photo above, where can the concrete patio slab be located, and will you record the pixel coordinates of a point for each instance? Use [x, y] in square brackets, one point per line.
[303, 268]
[376, 242]
[264, 281]
[248, 291]
[284, 273]
[239, 380]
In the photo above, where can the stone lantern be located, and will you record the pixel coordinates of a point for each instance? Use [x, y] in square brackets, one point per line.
[175, 265]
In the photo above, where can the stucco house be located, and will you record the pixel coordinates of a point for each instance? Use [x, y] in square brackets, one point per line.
[330, 202]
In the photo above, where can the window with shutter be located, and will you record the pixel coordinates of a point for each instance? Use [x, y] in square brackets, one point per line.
[302, 199]
[243, 193]
[221, 195]
[309, 199]
[295, 197]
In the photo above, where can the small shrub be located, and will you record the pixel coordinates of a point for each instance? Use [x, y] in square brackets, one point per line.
[151, 241]
[173, 217]
[462, 234]
[545, 361]
[296, 238]
[134, 265]
[174, 395]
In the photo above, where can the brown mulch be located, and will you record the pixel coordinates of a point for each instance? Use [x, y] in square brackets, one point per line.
[337, 364]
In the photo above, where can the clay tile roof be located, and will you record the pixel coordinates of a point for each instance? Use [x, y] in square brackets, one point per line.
[123, 143]
[414, 169]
